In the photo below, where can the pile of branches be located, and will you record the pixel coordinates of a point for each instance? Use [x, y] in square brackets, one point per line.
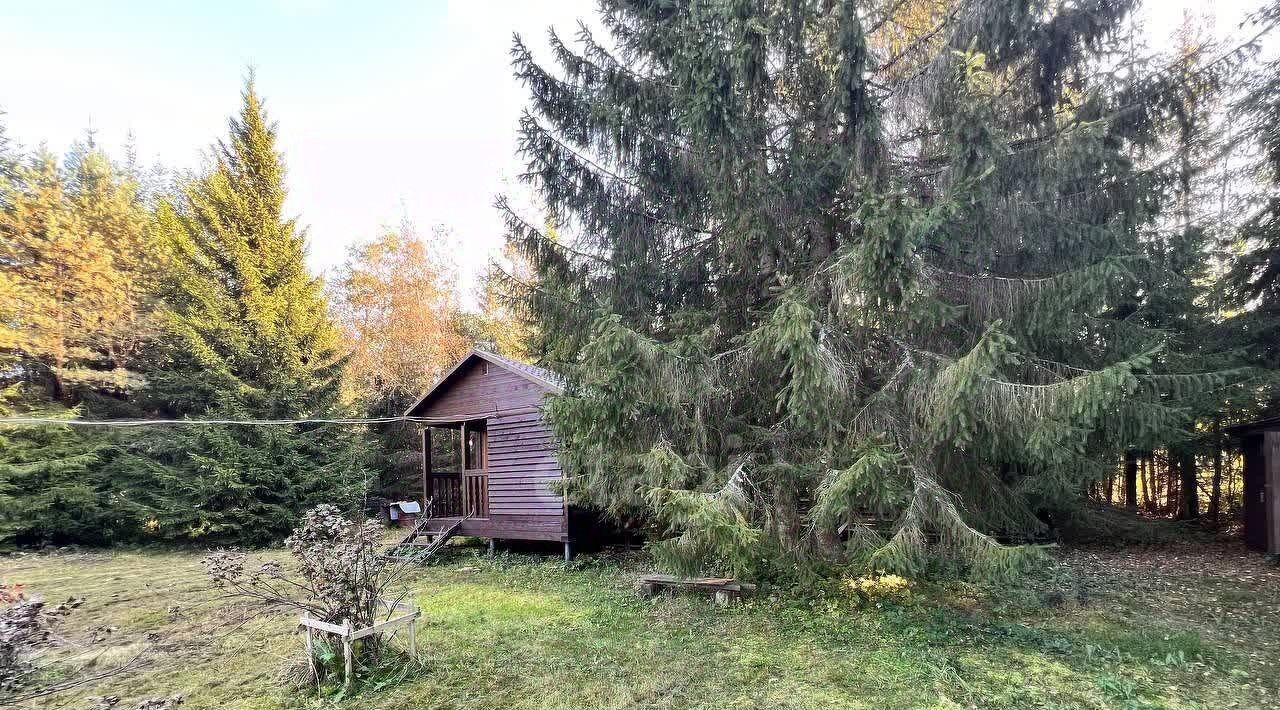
[25, 627]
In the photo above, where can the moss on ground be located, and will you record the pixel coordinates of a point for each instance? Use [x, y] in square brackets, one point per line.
[1191, 629]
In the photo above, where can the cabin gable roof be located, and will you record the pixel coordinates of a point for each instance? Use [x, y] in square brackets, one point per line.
[541, 377]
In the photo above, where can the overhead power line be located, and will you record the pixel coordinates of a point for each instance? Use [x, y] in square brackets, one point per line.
[126, 423]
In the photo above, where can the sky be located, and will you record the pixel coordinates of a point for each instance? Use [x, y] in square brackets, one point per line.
[386, 108]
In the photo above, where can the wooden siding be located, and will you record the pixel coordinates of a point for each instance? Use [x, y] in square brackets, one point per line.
[1271, 455]
[522, 464]
[1255, 478]
[521, 456]
[480, 389]
[507, 527]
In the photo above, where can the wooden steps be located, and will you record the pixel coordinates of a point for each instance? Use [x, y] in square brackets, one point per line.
[423, 542]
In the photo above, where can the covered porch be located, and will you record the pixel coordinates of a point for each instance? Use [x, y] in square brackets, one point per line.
[455, 475]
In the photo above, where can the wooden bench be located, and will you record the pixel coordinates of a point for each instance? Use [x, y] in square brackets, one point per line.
[725, 591]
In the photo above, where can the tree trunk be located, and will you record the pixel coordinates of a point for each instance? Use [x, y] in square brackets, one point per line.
[1149, 481]
[1215, 491]
[786, 516]
[1189, 500]
[1131, 478]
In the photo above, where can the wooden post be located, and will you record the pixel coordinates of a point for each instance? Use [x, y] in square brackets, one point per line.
[462, 467]
[413, 638]
[491, 546]
[311, 659]
[568, 551]
[426, 466]
[348, 656]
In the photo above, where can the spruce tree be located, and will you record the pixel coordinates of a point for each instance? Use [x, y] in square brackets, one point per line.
[71, 274]
[840, 287]
[1253, 283]
[245, 335]
[62, 277]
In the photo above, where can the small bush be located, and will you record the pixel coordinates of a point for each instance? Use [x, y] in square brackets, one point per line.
[876, 588]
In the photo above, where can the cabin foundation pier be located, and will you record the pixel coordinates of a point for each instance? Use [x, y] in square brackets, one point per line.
[568, 551]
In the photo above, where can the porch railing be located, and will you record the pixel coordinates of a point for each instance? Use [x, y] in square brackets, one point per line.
[445, 490]
[475, 494]
[454, 494]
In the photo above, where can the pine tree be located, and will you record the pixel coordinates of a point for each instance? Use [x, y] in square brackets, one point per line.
[61, 274]
[1254, 279]
[52, 487]
[245, 335]
[1179, 302]
[66, 278]
[842, 288]
[107, 199]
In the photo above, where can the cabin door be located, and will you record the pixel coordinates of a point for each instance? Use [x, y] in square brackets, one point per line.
[475, 469]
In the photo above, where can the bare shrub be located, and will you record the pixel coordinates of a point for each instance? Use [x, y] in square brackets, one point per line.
[339, 575]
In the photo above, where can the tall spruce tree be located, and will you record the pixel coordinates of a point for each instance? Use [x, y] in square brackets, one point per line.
[72, 274]
[1179, 301]
[846, 288]
[1254, 278]
[246, 335]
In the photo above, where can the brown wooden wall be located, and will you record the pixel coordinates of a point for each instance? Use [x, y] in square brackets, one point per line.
[521, 449]
[1255, 478]
[474, 392]
[1262, 491]
[522, 463]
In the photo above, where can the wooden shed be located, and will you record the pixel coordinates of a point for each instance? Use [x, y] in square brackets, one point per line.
[1260, 443]
[499, 481]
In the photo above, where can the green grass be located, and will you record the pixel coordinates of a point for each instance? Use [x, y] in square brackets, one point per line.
[526, 632]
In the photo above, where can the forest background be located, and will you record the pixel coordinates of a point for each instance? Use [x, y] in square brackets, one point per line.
[127, 293]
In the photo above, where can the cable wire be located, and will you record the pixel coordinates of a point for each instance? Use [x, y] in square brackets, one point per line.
[126, 423]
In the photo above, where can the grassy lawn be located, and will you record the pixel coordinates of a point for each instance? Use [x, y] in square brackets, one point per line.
[1187, 629]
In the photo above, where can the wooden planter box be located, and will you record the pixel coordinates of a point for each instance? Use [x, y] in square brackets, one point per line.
[349, 634]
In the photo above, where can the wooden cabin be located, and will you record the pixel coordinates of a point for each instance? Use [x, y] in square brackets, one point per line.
[499, 461]
[1260, 444]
